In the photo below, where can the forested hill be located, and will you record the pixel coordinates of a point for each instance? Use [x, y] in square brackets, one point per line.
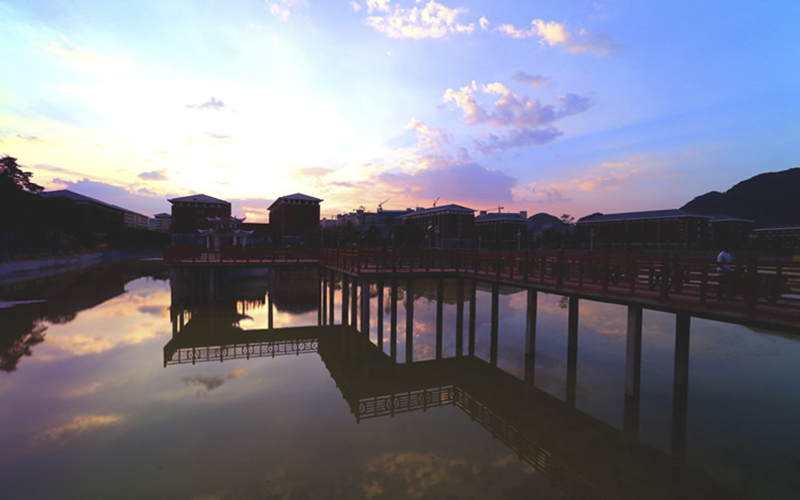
[771, 199]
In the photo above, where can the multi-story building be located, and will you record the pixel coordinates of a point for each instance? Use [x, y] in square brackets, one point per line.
[192, 213]
[657, 229]
[134, 220]
[727, 231]
[501, 230]
[96, 219]
[448, 226]
[162, 222]
[777, 238]
[294, 219]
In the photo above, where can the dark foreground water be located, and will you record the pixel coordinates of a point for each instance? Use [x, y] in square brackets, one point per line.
[144, 383]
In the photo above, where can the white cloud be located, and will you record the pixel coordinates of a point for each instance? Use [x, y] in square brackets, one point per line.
[556, 34]
[526, 122]
[517, 138]
[511, 109]
[431, 138]
[532, 80]
[434, 20]
[282, 9]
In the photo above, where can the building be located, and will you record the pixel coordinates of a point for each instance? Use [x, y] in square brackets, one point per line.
[502, 230]
[370, 228]
[777, 238]
[134, 220]
[657, 229]
[192, 213]
[727, 231]
[95, 218]
[294, 219]
[449, 226]
[162, 222]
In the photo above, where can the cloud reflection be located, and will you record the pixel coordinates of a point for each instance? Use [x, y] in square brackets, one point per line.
[79, 425]
[416, 474]
[211, 382]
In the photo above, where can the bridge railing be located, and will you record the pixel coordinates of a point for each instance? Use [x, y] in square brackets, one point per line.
[663, 276]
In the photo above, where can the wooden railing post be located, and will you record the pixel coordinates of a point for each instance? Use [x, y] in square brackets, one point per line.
[704, 283]
[665, 276]
[751, 291]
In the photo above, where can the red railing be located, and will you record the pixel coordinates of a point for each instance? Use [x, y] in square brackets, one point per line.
[662, 276]
[659, 276]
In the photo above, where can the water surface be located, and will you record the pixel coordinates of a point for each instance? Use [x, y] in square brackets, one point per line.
[127, 382]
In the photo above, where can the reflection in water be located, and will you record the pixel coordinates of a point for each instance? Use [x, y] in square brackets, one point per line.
[426, 389]
[56, 300]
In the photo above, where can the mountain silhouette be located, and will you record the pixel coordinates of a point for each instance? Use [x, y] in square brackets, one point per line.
[769, 200]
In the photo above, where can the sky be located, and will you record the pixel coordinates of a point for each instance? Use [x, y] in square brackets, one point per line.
[543, 106]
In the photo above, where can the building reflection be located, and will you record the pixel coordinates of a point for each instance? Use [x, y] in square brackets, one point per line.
[582, 455]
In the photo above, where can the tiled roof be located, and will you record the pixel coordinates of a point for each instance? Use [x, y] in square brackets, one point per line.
[297, 197]
[198, 198]
[66, 193]
[500, 216]
[445, 208]
[652, 214]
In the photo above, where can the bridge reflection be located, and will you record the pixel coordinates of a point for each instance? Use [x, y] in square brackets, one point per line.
[581, 455]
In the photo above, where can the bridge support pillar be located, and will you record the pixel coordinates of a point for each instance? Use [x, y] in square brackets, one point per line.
[633, 371]
[270, 287]
[439, 317]
[393, 324]
[472, 321]
[410, 321]
[459, 316]
[331, 304]
[530, 336]
[572, 351]
[633, 357]
[380, 314]
[495, 323]
[345, 300]
[323, 302]
[365, 307]
[354, 303]
[680, 386]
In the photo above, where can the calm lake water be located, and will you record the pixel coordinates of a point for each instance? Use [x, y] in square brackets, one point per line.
[141, 382]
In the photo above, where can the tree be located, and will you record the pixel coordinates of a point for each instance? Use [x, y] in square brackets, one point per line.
[12, 178]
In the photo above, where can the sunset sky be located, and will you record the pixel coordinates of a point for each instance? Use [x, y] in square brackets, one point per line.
[546, 106]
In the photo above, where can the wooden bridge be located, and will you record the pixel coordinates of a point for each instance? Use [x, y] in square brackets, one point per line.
[763, 293]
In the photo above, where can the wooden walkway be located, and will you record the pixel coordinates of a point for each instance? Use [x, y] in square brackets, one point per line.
[763, 293]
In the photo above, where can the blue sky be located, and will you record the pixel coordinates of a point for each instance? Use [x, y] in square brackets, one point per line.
[549, 106]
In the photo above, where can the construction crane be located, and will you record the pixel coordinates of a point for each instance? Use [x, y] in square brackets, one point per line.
[380, 205]
[436, 200]
[499, 209]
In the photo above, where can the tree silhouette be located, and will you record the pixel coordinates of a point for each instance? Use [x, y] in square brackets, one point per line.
[12, 178]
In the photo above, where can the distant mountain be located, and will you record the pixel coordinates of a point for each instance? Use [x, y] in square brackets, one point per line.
[771, 199]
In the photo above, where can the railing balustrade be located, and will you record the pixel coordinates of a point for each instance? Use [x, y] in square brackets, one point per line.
[660, 276]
